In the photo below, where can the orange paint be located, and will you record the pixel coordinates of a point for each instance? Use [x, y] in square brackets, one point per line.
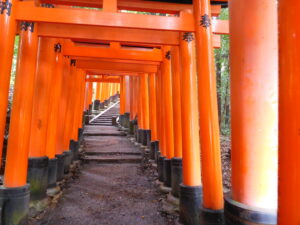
[144, 92]
[7, 36]
[158, 108]
[54, 102]
[167, 104]
[77, 112]
[289, 113]
[254, 103]
[122, 67]
[77, 50]
[176, 94]
[82, 97]
[20, 122]
[122, 96]
[131, 97]
[98, 91]
[208, 109]
[63, 103]
[127, 94]
[69, 118]
[153, 106]
[189, 116]
[139, 100]
[41, 97]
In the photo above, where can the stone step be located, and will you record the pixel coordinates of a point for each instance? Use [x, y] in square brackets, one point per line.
[112, 153]
[113, 159]
[104, 134]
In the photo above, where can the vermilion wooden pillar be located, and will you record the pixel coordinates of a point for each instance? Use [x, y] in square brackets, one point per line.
[289, 113]
[176, 99]
[76, 94]
[158, 111]
[144, 100]
[132, 99]
[132, 102]
[20, 122]
[122, 110]
[160, 125]
[152, 106]
[68, 134]
[167, 115]
[54, 100]
[154, 145]
[82, 97]
[127, 94]
[123, 96]
[63, 102]
[54, 104]
[86, 96]
[191, 188]
[140, 109]
[103, 92]
[97, 96]
[38, 159]
[98, 90]
[254, 111]
[176, 161]
[41, 99]
[14, 195]
[208, 109]
[7, 36]
[90, 94]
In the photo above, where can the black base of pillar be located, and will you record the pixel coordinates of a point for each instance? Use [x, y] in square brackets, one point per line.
[167, 172]
[101, 106]
[152, 150]
[160, 166]
[83, 117]
[176, 168]
[86, 120]
[190, 203]
[131, 127]
[52, 173]
[126, 120]
[60, 166]
[211, 217]
[146, 134]
[121, 120]
[74, 147]
[96, 105]
[68, 161]
[106, 102]
[90, 109]
[114, 121]
[80, 134]
[157, 152]
[14, 204]
[140, 135]
[38, 177]
[148, 138]
[136, 131]
[237, 213]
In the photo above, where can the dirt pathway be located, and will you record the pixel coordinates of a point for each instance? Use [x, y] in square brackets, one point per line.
[112, 188]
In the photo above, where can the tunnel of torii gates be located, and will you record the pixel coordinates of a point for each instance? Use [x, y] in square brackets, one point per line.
[163, 68]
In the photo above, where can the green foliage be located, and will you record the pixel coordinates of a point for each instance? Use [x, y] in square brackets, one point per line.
[223, 80]
[13, 69]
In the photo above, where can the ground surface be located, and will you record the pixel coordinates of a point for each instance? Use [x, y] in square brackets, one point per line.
[108, 193]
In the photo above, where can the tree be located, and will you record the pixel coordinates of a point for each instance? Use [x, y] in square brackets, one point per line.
[223, 80]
